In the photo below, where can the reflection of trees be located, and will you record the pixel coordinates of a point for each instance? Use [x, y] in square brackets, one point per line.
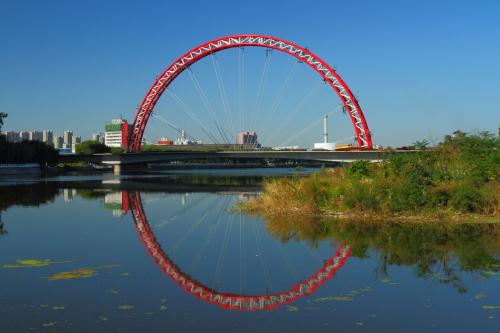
[437, 251]
[3, 231]
[24, 195]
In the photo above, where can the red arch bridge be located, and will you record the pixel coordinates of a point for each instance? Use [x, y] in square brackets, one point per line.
[227, 300]
[162, 82]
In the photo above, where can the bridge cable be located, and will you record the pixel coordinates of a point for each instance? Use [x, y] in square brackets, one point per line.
[299, 106]
[242, 268]
[172, 126]
[192, 115]
[192, 228]
[261, 254]
[281, 92]
[260, 89]
[222, 252]
[206, 104]
[223, 95]
[173, 216]
[208, 238]
[241, 63]
[307, 128]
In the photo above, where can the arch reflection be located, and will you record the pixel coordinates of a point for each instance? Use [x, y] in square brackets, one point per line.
[228, 300]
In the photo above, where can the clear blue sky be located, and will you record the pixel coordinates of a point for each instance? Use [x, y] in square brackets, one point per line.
[420, 69]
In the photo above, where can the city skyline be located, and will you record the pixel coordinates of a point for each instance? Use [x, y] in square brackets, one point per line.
[411, 73]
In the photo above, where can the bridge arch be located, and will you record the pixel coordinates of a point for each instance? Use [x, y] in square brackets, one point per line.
[303, 54]
[227, 300]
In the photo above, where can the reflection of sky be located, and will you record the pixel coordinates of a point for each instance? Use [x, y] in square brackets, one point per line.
[82, 231]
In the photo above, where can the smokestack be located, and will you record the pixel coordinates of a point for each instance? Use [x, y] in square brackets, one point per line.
[325, 129]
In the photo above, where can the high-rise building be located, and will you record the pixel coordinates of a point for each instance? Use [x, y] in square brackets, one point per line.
[58, 141]
[12, 136]
[47, 136]
[247, 138]
[35, 135]
[23, 136]
[116, 133]
[68, 139]
[99, 137]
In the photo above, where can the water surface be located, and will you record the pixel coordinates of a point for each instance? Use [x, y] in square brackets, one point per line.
[164, 252]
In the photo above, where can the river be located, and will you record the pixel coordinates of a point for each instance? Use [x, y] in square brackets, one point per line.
[167, 251]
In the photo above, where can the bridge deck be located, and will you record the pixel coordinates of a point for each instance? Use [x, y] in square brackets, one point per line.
[165, 157]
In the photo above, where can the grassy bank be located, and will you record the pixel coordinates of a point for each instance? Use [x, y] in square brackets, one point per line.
[459, 177]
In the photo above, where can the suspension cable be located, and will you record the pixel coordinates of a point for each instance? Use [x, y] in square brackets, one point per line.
[207, 239]
[173, 216]
[241, 62]
[307, 128]
[206, 104]
[281, 92]
[261, 254]
[192, 228]
[222, 252]
[192, 115]
[223, 95]
[302, 103]
[260, 89]
[172, 125]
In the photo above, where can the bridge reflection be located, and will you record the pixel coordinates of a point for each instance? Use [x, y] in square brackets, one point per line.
[228, 300]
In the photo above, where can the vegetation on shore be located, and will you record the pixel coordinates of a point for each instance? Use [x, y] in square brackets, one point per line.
[27, 152]
[459, 176]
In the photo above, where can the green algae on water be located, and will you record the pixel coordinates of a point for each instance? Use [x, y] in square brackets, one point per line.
[31, 263]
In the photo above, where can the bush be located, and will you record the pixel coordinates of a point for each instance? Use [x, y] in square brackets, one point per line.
[92, 147]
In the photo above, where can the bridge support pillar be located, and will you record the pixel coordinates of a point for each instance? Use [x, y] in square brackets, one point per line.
[119, 169]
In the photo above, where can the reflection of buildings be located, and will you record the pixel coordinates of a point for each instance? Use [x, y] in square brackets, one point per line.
[68, 194]
[117, 203]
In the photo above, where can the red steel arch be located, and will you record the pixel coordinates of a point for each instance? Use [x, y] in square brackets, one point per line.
[183, 62]
[227, 300]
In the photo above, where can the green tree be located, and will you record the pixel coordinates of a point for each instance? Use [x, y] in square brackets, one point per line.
[91, 147]
[2, 116]
[421, 145]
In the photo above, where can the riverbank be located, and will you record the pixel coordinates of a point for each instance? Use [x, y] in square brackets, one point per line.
[455, 181]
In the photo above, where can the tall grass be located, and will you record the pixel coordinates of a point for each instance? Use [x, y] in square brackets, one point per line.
[460, 176]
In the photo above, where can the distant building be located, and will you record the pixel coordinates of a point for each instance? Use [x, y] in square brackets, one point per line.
[183, 140]
[47, 136]
[99, 137]
[78, 140]
[247, 138]
[23, 136]
[35, 135]
[165, 142]
[116, 133]
[58, 141]
[12, 136]
[67, 139]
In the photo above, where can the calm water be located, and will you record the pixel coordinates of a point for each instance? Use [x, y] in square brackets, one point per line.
[165, 252]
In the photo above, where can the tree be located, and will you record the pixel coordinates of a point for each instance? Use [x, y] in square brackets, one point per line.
[421, 145]
[2, 116]
[92, 147]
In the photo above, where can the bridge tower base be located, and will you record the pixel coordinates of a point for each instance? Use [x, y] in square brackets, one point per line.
[119, 169]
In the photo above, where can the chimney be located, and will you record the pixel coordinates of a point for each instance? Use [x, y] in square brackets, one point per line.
[325, 129]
